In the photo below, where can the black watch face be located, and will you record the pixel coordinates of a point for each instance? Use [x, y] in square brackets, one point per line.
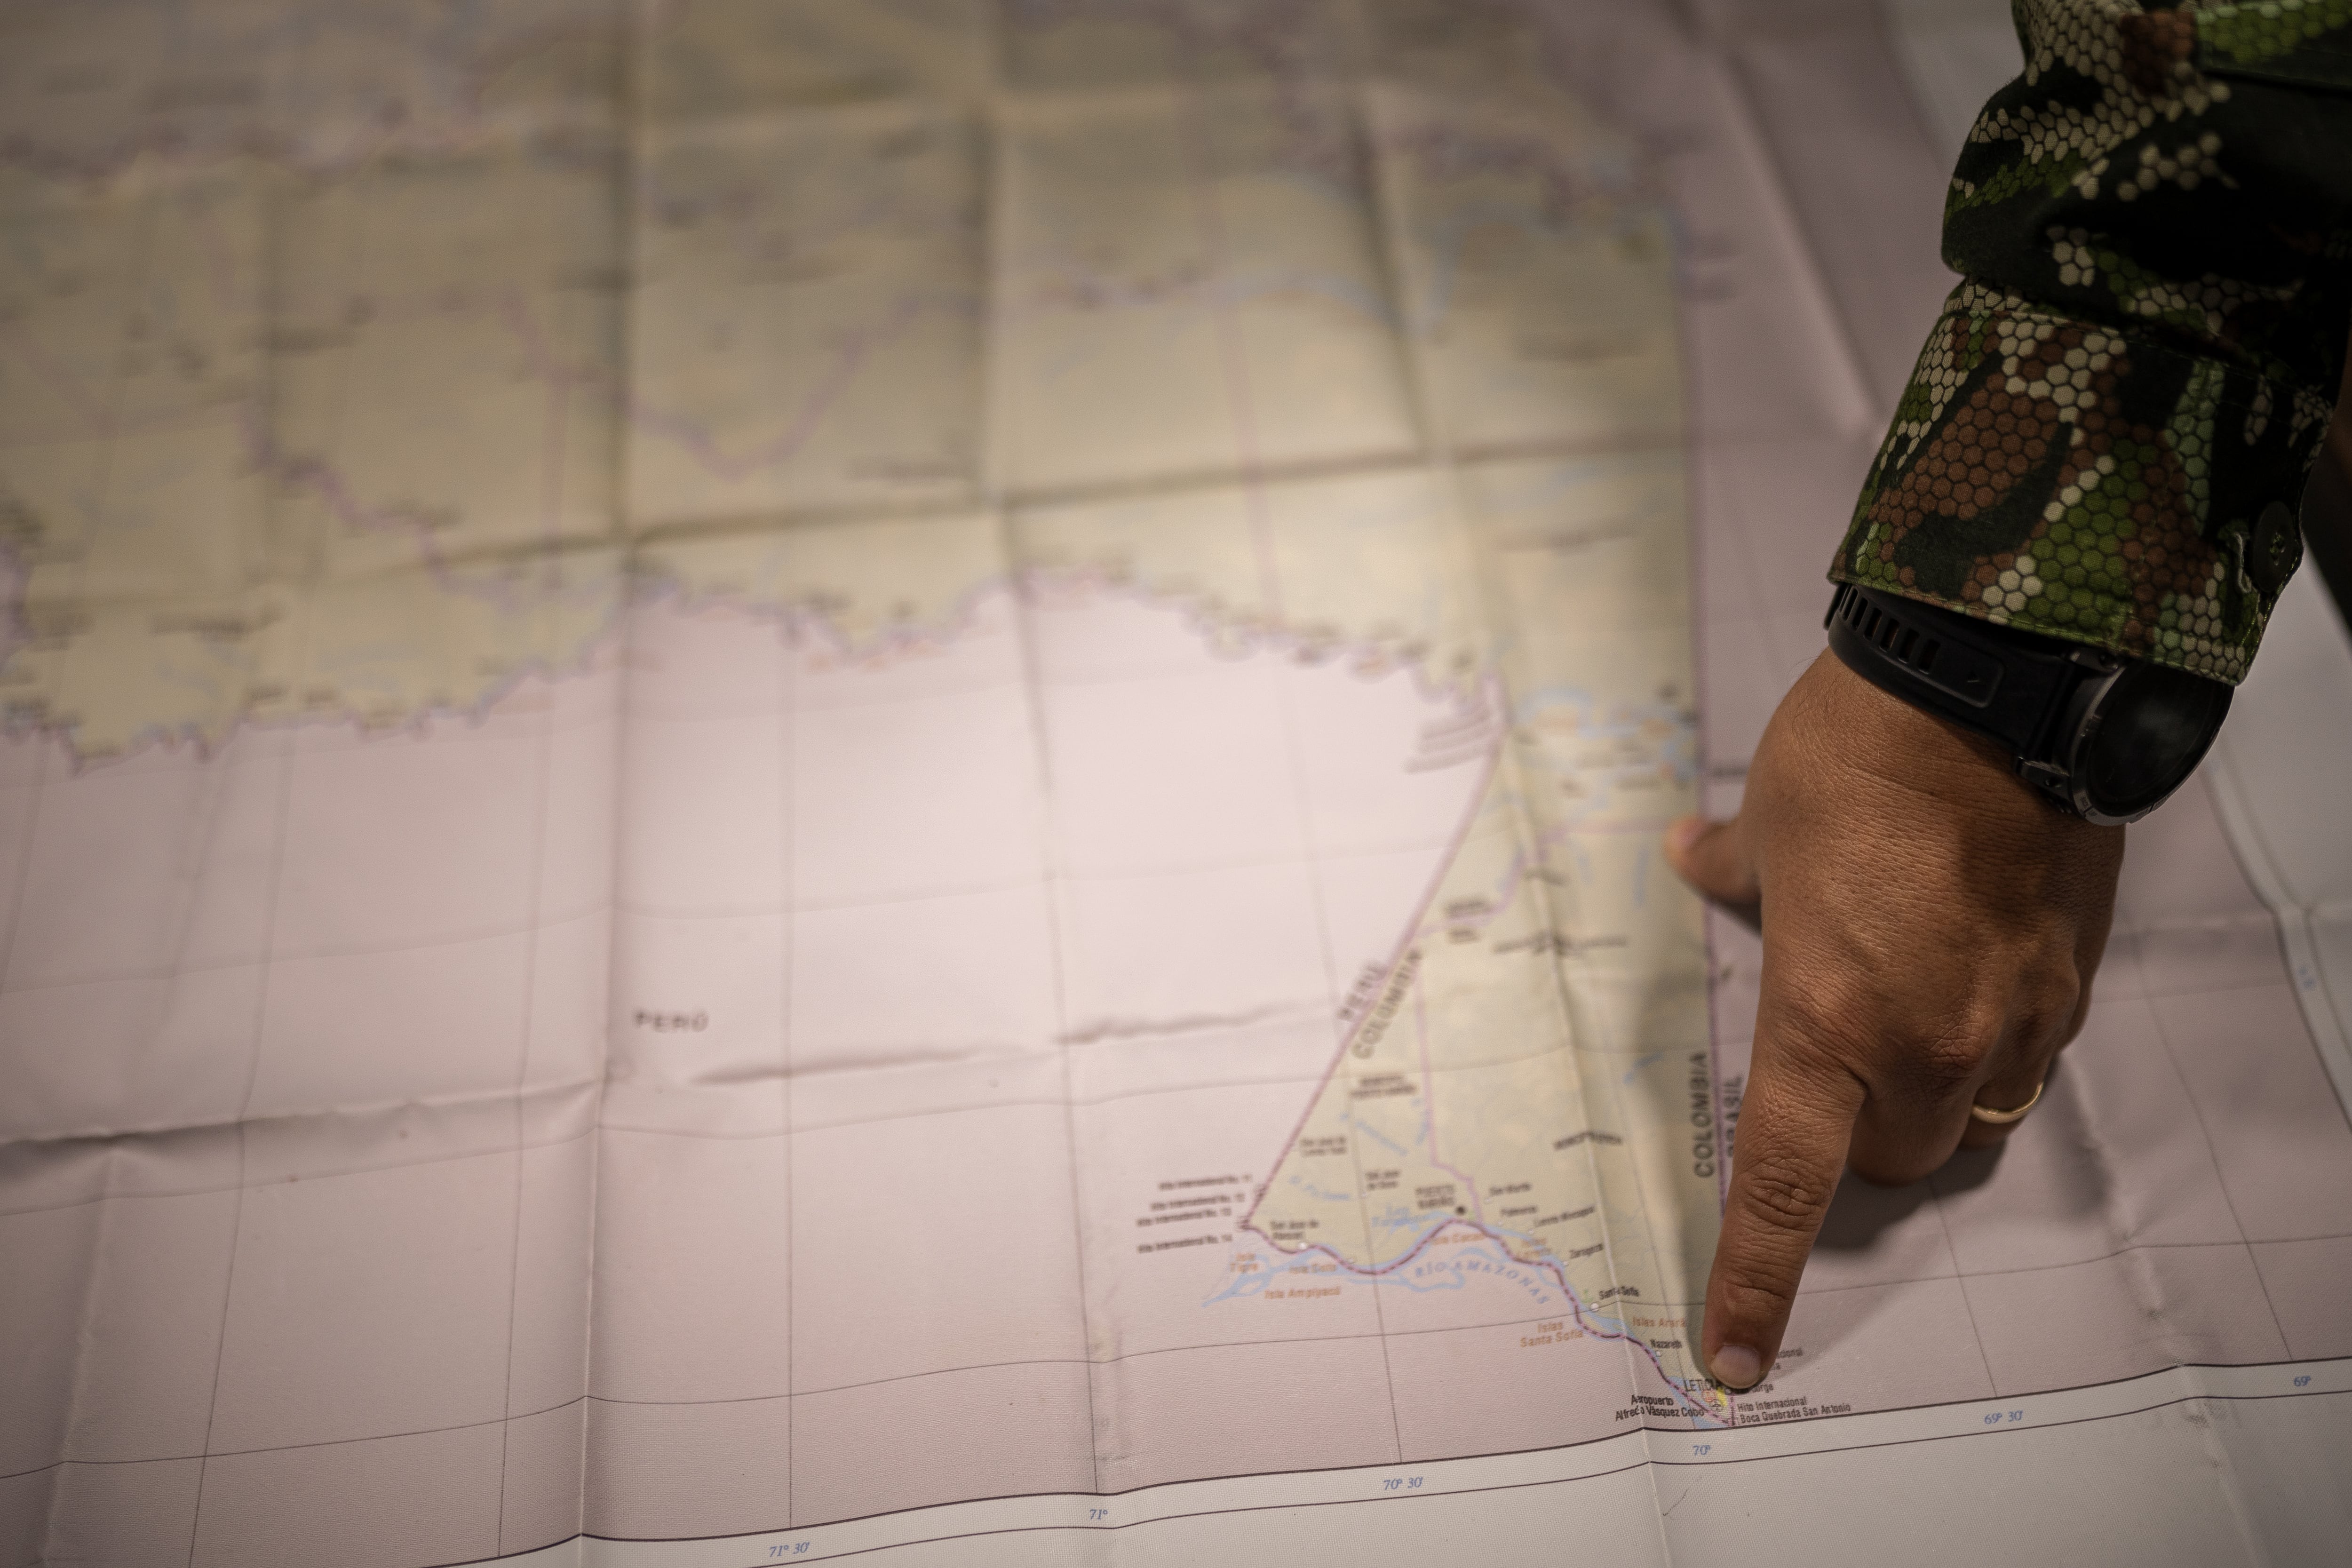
[2153, 726]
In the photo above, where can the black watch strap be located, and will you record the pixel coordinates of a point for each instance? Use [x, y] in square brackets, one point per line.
[2099, 734]
[2010, 685]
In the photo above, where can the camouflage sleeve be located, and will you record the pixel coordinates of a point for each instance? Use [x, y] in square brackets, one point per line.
[2109, 427]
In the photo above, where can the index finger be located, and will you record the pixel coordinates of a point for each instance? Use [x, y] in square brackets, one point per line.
[1795, 1124]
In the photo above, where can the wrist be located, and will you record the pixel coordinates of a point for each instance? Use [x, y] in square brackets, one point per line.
[2104, 737]
[1944, 769]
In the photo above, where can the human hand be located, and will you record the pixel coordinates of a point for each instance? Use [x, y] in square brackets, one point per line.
[1930, 933]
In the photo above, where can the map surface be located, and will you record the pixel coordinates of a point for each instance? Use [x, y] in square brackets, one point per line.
[781, 779]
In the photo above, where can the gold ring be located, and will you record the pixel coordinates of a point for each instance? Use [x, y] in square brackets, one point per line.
[2003, 1118]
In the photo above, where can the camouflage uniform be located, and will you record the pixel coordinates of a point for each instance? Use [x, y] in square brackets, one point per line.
[2109, 427]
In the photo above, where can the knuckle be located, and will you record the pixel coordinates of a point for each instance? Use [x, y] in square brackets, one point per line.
[2048, 1011]
[1830, 1021]
[1948, 1061]
[1949, 1065]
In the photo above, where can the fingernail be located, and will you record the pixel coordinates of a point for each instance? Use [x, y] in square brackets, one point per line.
[1683, 832]
[1737, 1367]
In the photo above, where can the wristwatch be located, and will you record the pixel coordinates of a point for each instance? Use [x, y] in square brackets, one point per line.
[2104, 736]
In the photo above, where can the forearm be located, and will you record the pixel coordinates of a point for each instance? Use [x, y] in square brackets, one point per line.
[2109, 427]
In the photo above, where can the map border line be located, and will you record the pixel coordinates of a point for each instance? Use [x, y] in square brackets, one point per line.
[2340, 1386]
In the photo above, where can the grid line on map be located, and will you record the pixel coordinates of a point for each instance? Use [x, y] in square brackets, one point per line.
[1444, 1330]
[1208, 220]
[2264, 922]
[551, 483]
[998, 406]
[1701, 532]
[1699, 496]
[788, 654]
[2205, 1136]
[1446, 454]
[274, 878]
[1063, 1045]
[1554, 1448]
[1517, 1485]
[1952, 1252]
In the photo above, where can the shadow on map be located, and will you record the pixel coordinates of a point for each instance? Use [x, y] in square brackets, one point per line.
[1863, 1211]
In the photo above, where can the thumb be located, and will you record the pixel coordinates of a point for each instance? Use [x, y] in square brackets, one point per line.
[1713, 857]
